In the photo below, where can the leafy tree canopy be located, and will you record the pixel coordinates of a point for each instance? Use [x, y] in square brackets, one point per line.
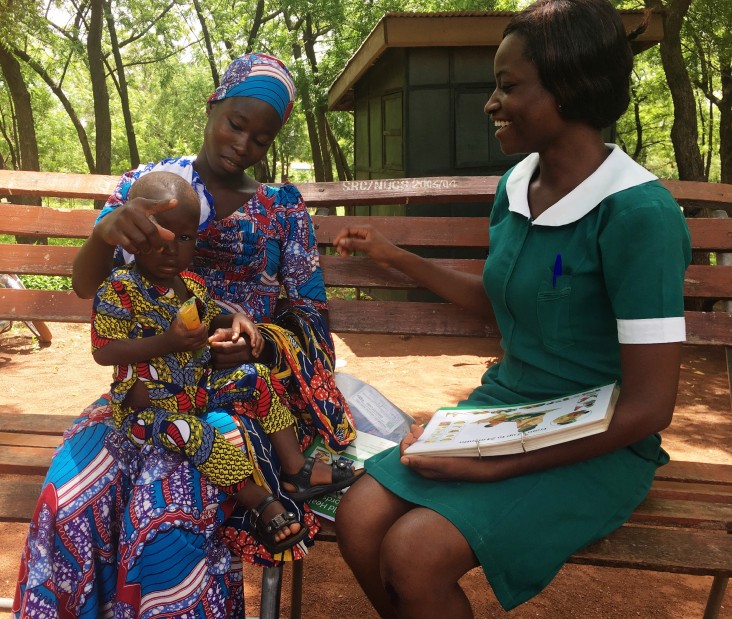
[164, 58]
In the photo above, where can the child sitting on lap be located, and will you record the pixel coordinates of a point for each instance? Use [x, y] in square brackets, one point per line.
[163, 377]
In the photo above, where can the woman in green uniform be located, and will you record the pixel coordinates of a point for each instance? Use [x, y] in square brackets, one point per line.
[585, 278]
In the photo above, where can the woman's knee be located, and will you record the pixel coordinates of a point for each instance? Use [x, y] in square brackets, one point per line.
[404, 576]
[350, 517]
[423, 553]
[406, 553]
[365, 514]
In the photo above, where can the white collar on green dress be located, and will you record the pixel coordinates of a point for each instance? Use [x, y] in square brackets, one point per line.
[617, 173]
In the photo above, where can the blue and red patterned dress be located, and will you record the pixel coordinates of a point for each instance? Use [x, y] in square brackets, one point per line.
[122, 532]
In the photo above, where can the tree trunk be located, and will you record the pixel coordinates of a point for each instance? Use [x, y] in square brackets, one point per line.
[12, 151]
[102, 118]
[258, 21]
[684, 131]
[709, 131]
[311, 122]
[638, 150]
[27, 143]
[725, 124]
[122, 88]
[318, 167]
[261, 171]
[323, 139]
[207, 41]
[273, 165]
[256, 25]
[342, 167]
[56, 89]
[309, 40]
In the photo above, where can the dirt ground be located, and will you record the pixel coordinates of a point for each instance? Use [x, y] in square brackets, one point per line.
[417, 374]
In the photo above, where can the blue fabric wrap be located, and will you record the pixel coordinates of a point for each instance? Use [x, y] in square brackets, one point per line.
[265, 88]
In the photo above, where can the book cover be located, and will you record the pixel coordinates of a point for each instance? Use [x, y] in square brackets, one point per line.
[492, 431]
[363, 447]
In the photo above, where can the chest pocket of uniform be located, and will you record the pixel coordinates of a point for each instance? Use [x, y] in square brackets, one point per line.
[553, 313]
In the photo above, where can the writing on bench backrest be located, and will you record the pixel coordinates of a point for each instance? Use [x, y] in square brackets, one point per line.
[404, 184]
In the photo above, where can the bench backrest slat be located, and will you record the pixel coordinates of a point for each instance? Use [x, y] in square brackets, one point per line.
[46, 222]
[412, 231]
[693, 193]
[387, 191]
[56, 184]
[395, 317]
[713, 328]
[706, 234]
[385, 317]
[36, 259]
[362, 272]
[706, 282]
[47, 305]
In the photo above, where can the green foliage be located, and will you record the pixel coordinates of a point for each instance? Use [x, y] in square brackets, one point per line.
[46, 282]
[347, 294]
[164, 128]
[708, 52]
[58, 146]
[169, 76]
[648, 89]
[10, 239]
[13, 13]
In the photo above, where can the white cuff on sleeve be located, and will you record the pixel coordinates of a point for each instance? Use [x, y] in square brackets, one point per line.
[652, 330]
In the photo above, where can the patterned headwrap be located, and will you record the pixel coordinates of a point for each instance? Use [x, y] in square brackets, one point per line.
[259, 76]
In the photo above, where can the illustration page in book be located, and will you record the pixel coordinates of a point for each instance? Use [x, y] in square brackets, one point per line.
[469, 431]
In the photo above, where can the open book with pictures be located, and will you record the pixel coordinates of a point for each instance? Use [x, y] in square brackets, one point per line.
[380, 424]
[496, 431]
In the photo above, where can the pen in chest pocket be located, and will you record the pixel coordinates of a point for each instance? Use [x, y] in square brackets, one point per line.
[557, 270]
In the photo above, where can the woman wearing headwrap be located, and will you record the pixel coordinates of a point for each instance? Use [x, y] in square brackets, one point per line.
[127, 533]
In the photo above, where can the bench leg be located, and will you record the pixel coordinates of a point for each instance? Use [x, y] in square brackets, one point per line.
[296, 599]
[269, 606]
[716, 595]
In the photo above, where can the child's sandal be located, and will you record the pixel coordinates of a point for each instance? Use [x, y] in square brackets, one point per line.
[264, 532]
[342, 472]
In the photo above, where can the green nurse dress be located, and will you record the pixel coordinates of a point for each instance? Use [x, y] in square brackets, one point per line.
[623, 247]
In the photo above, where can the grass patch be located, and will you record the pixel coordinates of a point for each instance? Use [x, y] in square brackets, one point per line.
[46, 282]
[9, 239]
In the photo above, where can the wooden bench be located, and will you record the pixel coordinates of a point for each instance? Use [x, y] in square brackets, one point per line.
[682, 527]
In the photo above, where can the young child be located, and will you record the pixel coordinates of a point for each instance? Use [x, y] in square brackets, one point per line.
[163, 377]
